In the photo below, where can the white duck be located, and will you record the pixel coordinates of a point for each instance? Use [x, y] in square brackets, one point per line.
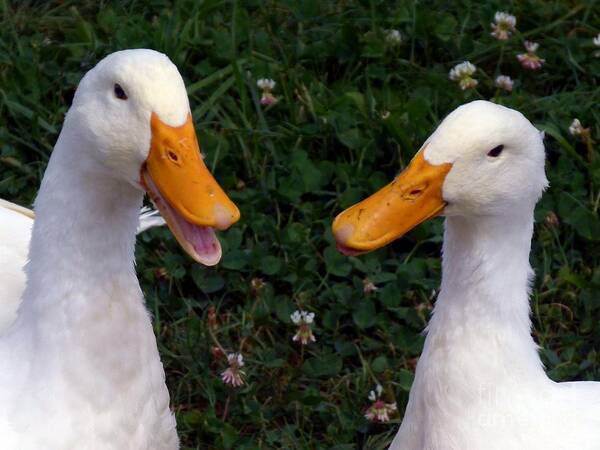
[79, 366]
[479, 383]
[15, 234]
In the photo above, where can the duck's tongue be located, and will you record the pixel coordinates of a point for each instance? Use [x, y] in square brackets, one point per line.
[200, 242]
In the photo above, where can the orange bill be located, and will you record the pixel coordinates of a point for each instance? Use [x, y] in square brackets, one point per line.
[413, 197]
[185, 192]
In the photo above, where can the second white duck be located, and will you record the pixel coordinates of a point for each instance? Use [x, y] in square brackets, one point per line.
[479, 383]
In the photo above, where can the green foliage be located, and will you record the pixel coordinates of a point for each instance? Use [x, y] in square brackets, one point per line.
[352, 109]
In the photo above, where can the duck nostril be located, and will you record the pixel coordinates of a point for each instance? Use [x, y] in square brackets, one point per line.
[414, 192]
[173, 156]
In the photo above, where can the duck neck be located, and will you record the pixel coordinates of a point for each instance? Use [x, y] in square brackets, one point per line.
[83, 237]
[483, 304]
[83, 323]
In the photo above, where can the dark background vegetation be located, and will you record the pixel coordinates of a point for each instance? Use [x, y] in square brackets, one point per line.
[327, 143]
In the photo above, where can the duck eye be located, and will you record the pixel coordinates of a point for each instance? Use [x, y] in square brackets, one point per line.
[119, 92]
[495, 152]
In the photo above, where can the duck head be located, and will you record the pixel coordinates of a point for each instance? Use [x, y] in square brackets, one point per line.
[131, 115]
[483, 159]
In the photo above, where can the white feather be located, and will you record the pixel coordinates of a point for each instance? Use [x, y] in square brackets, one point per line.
[149, 218]
[79, 367]
[479, 383]
[15, 233]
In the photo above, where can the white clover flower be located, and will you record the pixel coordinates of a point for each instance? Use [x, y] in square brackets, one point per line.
[376, 393]
[302, 317]
[503, 25]
[462, 73]
[505, 18]
[596, 42]
[379, 410]
[576, 129]
[233, 374]
[296, 316]
[368, 286]
[531, 47]
[304, 320]
[266, 84]
[239, 359]
[393, 37]
[504, 82]
[463, 69]
[530, 60]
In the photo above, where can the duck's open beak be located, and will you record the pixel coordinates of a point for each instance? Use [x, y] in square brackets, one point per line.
[413, 197]
[184, 191]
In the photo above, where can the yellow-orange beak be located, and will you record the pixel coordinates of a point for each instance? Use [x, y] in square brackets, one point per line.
[184, 191]
[413, 197]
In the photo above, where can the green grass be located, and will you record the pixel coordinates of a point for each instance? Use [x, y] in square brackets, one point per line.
[352, 110]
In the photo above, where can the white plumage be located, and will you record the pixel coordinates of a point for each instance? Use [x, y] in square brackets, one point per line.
[79, 367]
[15, 233]
[479, 383]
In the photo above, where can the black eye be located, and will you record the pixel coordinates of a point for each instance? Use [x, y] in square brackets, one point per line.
[119, 92]
[495, 152]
